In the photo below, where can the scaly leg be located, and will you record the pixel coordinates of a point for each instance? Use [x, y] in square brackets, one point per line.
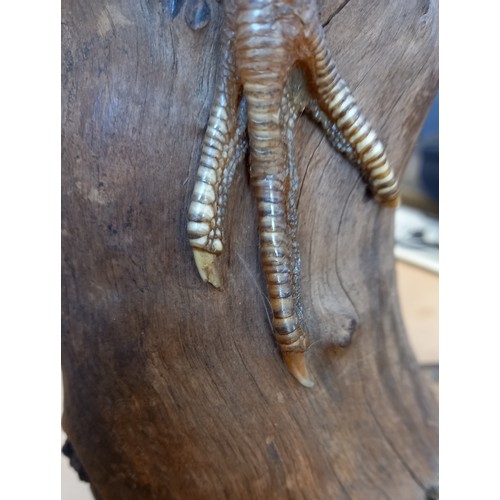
[341, 108]
[271, 47]
[264, 62]
[223, 146]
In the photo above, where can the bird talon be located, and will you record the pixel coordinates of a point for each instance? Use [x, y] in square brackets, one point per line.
[205, 263]
[296, 363]
[275, 66]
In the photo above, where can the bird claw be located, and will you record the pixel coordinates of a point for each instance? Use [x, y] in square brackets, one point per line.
[275, 65]
[205, 263]
[296, 363]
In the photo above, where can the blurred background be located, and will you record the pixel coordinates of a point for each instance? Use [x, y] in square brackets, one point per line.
[417, 248]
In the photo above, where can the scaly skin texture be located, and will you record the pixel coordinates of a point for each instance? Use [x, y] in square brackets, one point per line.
[275, 66]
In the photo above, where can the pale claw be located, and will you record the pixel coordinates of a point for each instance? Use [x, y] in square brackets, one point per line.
[295, 360]
[391, 203]
[205, 262]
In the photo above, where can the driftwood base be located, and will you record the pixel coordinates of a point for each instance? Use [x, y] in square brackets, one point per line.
[173, 389]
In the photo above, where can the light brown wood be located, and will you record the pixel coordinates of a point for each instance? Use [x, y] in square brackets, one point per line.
[173, 389]
[419, 292]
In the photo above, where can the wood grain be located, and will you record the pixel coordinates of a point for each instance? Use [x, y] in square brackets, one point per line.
[173, 389]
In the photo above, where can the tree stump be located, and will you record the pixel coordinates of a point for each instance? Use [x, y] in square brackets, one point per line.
[173, 389]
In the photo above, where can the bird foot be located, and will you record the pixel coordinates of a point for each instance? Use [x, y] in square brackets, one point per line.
[275, 66]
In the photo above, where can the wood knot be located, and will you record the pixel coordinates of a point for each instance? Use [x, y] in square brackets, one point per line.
[341, 329]
[346, 331]
[197, 14]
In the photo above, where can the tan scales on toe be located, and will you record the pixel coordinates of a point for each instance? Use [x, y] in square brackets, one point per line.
[275, 66]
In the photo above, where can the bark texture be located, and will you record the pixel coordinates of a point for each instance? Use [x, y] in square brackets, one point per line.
[173, 389]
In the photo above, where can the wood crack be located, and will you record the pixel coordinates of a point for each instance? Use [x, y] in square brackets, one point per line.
[335, 12]
[307, 170]
[337, 247]
[389, 442]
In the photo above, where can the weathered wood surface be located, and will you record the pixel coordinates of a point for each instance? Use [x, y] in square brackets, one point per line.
[173, 389]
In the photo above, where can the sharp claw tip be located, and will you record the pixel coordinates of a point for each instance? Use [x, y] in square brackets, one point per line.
[295, 362]
[205, 263]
